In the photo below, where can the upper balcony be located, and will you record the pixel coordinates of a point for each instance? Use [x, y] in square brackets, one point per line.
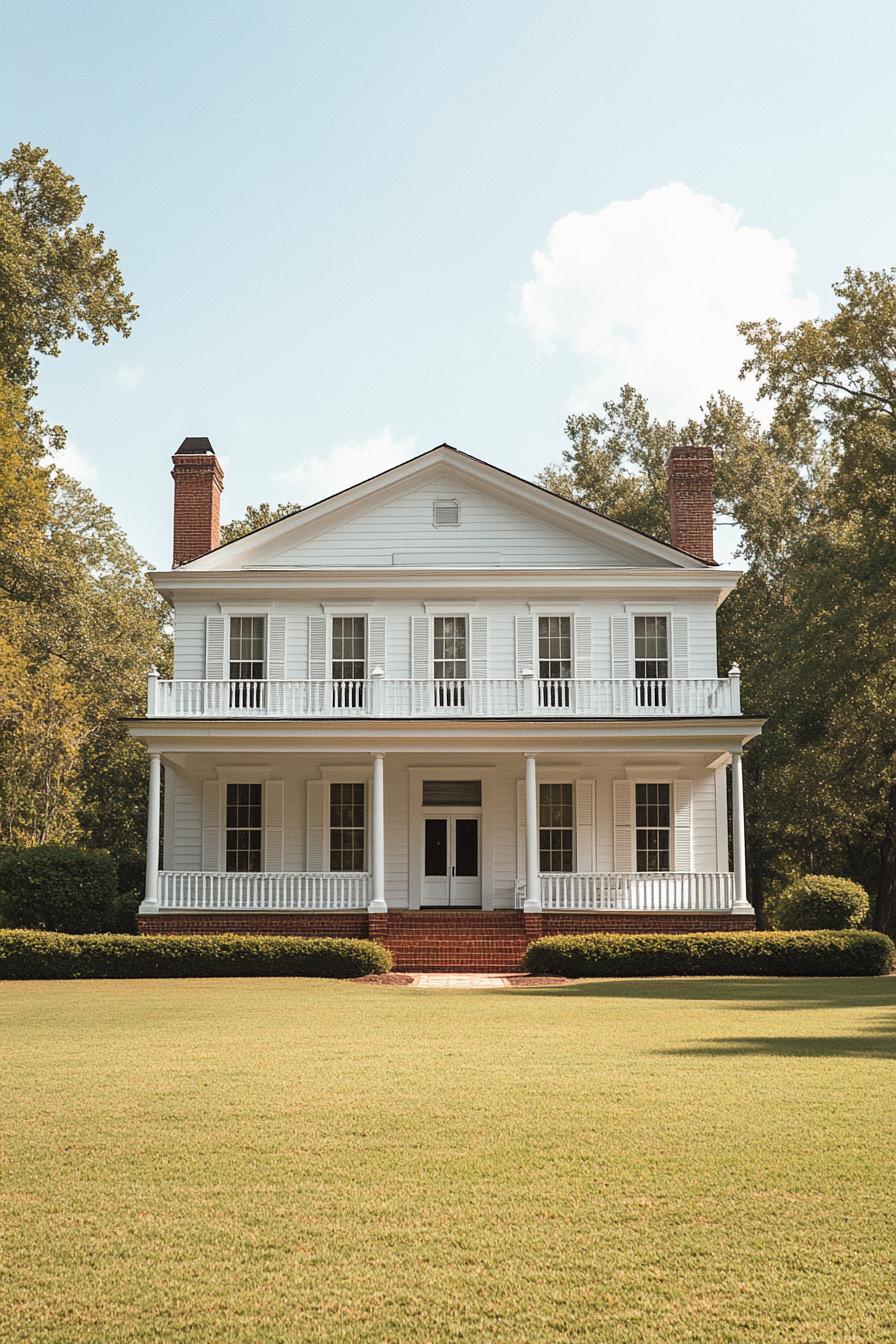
[382, 697]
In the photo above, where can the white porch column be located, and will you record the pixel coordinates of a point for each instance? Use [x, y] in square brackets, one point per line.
[378, 838]
[533, 881]
[741, 903]
[150, 902]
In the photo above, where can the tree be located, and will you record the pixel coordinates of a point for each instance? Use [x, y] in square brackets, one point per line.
[256, 515]
[57, 277]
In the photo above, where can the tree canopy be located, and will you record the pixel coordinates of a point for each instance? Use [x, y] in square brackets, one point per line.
[256, 515]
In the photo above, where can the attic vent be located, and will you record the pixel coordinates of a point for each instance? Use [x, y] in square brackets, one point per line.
[445, 513]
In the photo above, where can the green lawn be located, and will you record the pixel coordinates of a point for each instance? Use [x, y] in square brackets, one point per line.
[275, 1160]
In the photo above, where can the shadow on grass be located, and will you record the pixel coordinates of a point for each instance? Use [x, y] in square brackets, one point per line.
[877, 1042]
[758, 993]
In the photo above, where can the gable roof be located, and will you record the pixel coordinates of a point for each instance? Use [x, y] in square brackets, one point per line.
[565, 513]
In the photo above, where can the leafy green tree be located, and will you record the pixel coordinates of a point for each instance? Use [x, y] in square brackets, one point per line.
[57, 277]
[256, 515]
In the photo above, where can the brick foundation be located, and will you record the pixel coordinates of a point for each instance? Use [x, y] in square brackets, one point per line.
[443, 940]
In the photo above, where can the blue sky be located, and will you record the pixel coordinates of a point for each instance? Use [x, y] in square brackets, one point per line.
[328, 215]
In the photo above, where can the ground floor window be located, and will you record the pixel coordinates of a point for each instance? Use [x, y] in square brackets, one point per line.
[243, 828]
[347, 847]
[555, 828]
[653, 811]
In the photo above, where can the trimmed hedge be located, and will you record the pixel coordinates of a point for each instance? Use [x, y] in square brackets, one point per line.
[27, 954]
[634, 954]
[818, 902]
[57, 887]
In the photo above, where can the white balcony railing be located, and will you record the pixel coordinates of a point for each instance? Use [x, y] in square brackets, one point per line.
[633, 891]
[263, 891]
[492, 697]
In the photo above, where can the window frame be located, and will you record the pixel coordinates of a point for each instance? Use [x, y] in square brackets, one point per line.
[331, 643]
[356, 783]
[248, 616]
[568, 616]
[558, 784]
[225, 828]
[449, 616]
[653, 782]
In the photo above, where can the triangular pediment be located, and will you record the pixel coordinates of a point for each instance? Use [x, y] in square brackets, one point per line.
[444, 510]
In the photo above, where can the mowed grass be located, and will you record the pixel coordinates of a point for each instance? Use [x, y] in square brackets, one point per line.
[275, 1160]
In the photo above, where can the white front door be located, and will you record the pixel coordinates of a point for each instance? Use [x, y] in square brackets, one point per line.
[451, 873]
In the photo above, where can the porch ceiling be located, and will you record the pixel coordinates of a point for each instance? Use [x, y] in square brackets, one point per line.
[441, 737]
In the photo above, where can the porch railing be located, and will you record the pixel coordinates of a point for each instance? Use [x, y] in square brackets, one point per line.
[263, 891]
[486, 697]
[633, 891]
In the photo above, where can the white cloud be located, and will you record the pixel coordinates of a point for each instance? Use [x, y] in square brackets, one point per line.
[347, 462]
[74, 463]
[649, 292]
[129, 377]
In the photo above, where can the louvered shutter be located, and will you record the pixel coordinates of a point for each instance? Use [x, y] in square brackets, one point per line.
[584, 825]
[583, 648]
[317, 648]
[478, 646]
[211, 826]
[214, 648]
[525, 654]
[276, 648]
[420, 648]
[680, 651]
[622, 826]
[521, 828]
[314, 833]
[273, 826]
[682, 791]
[376, 643]
[621, 651]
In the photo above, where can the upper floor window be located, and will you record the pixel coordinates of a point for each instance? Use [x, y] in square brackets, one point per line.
[653, 828]
[449, 658]
[652, 647]
[243, 828]
[348, 661]
[445, 513]
[555, 828]
[246, 648]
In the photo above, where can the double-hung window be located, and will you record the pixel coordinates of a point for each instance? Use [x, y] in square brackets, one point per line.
[653, 828]
[348, 662]
[449, 659]
[347, 833]
[247, 641]
[243, 828]
[651, 660]
[555, 828]
[554, 660]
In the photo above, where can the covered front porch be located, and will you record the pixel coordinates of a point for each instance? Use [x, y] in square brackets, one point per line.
[272, 823]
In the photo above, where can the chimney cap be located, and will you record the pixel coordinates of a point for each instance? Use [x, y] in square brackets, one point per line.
[194, 447]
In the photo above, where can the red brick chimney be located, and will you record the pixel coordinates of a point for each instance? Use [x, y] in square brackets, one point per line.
[691, 476]
[198, 482]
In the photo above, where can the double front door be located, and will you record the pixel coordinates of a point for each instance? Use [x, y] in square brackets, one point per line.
[451, 873]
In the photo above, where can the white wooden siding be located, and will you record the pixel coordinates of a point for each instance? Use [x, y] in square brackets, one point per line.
[184, 847]
[400, 532]
[506, 621]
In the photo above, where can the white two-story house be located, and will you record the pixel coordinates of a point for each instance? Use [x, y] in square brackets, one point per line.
[443, 703]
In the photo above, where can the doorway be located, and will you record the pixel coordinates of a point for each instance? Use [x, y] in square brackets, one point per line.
[451, 861]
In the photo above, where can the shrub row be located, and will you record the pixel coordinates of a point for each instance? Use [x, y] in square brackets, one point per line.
[58, 887]
[628, 954]
[27, 954]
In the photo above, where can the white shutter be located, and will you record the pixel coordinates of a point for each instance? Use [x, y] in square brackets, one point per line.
[521, 828]
[376, 643]
[525, 654]
[276, 648]
[622, 826]
[584, 825]
[317, 648]
[273, 826]
[420, 648]
[682, 793]
[621, 652]
[211, 826]
[478, 646]
[314, 832]
[680, 653]
[583, 649]
[214, 648]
